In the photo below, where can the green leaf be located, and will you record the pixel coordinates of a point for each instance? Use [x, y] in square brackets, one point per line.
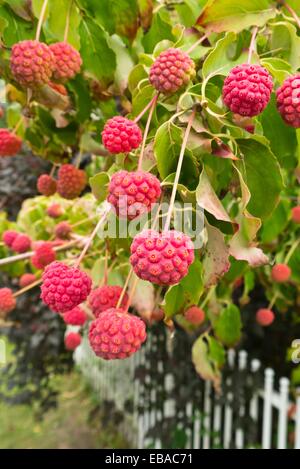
[262, 175]
[286, 40]
[13, 27]
[188, 291]
[124, 63]
[160, 29]
[282, 138]
[99, 59]
[79, 87]
[280, 69]
[228, 326]
[217, 62]
[235, 15]
[208, 357]
[277, 223]
[98, 185]
[58, 12]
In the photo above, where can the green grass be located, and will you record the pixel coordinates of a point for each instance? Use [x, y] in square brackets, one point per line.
[76, 423]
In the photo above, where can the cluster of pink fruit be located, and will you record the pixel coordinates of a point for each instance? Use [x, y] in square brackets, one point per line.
[162, 258]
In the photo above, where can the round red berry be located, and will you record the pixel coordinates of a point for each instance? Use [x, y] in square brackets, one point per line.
[116, 334]
[281, 273]
[43, 255]
[8, 237]
[71, 181]
[172, 70]
[247, 89]
[72, 340]
[32, 63]
[67, 61]
[121, 135]
[75, 317]
[46, 185]
[106, 297]
[265, 317]
[7, 301]
[161, 258]
[55, 211]
[21, 243]
[26, 279]
[64, 287]
[296, 214]
[133, 193]
[10, 143]
[288, 100]
[195, 315]
[63, 230]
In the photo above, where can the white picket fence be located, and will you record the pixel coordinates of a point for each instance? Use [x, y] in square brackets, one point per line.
[212, 426]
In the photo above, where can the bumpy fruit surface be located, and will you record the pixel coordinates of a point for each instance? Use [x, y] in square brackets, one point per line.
[172, 69]
[8, 237]
[7, 301]
[10, 144]
[32, 63]
[265, 317]
[21, 243]
[64, 287]
[75, 317]
[63, 230]
[72, 340]
[288, 100]
[46, 185]
[247, 89]
[71, 181]
[116, 334]
[43, 255]
[296, 214]
[121, 135]
[55, 211]
[281, 273]
[195, 315]
[161, 258]
[67, 61]
[106, 297]
[133, 193]
[26, 279]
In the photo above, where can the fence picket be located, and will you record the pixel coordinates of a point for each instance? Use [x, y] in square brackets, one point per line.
[267, 411]
[283, 413]
[297, 418]
[207, 414]
[239, 435]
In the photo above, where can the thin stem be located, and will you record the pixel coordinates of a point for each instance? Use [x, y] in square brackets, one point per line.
[106, 266]
[29, 287]
[208, 297]
[292, 12]
[146, 131]
[85, 220]
[145, 109]
[272, 302]
[90, 239]
[252, 44]
[41, 19]
[18, 124]
[68, 21]
[124, 288]
[52, 170]
[178, 170]
[28, 255]
[197, 43]
[291, 251]
[131, 294]
[87, 310]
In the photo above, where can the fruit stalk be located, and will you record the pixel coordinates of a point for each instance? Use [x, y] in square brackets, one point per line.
[124, 288]
[41, 19]
[90, 239]
[152, 107]
[252, 44]
[292, 12]
[131, 294]
[68, 21]
[197, 43]
[138, 118]
[178, 170]
[29, 287]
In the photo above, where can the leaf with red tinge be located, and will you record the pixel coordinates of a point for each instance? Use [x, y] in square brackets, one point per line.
[208, 199]
[242, 245]
[208, 357]
[216, 261]
[224, 151]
